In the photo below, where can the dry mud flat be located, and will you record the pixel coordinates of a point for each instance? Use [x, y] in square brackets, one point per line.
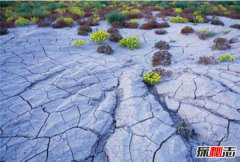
[60, 103]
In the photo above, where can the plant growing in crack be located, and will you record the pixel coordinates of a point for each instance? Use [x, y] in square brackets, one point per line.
[151, 78]
[185, 130]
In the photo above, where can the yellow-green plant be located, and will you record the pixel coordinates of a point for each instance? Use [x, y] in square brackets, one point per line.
[227, 57]
[151, 78]
[66, 20]
[61, 10]
[99, 36]
[178, 19]
[9, 12]
[34, 20]
[76, 11]
[195, 13]
[135, 11]
[79, 42]
[95, 18]
[21, 21]
[205, 33]
[178, 10]
[130, 42]
[199, 19]
[131, 12]
[10, 19]
[133, 21]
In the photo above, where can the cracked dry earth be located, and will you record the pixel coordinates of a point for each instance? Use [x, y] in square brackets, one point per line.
[61, 103]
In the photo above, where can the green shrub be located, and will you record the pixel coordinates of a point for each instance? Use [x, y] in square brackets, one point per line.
[151, 78]
[79, 42]
[34, 20]
[115, 17]
[178, 10]
[130, 42]
[67, 20]
[199, 19]
[54, 5]
[133, 21]
[24, 9]
[6, 3]
[9, 13]
[99, 36]
[76, 11]
[226, 57]
[182, 4]
[205, 34]
[132, 13]
[178, 19]
[40, 12]
[21, 21]
[61, 22]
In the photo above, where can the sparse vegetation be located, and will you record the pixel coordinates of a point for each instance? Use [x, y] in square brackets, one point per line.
[132, 13]
[21, 21]
[221, 44]
[130, 42]
[76, 11]
[161, 58]
[185, 130]
[84, 30]
[151, 78]
[187, 30]
[99, 36]
[207, 60]
[178, 10]
[205, 34]
[115, 17]
[63, 22]
[163, 72]
[178, 19]
[79, 42]
[199, 19]
[117, 12]
[228, 57]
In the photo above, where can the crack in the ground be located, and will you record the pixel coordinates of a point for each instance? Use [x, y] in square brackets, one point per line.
[175, 118]
[160, 146]
[32, 84]
[99, 145]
